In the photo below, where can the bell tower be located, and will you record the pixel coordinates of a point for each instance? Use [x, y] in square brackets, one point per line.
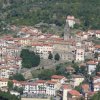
[67, 31]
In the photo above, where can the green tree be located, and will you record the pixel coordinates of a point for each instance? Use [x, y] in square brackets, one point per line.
[96, 96]
[78, 88]
[50, 56]
[46, 74]
[8, 96]
[18, 77]
[29, 58]
[76, 67]
[98, 68]
[20, 90]
[10, 85]
[15, 88]
[96, 55]
[57, 57]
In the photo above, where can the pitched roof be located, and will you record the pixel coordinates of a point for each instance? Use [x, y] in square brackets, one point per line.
[57, 77]
[40, 81]
[3, 80]
[91, 62]
[66, 86]
[85, 87]
[74, 93]
[97, 46]
[51, 82]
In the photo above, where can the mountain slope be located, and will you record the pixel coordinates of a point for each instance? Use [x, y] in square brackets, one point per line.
[31, 12]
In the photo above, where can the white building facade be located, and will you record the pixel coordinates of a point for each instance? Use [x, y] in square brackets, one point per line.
[79, 55]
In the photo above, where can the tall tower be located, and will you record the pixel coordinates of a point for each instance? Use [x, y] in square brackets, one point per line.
[67, 31]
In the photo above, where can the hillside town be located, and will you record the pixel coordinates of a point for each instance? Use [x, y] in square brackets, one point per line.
[79, 48]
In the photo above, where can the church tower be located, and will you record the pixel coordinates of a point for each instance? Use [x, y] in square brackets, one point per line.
[67, 31]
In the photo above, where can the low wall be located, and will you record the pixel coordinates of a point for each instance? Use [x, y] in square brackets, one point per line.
[33, 99]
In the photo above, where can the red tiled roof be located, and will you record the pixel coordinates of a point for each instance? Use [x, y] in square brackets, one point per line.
[97, 31]
[28, 83]
[40, 81]
[85, 86]
[74, 93]
[57, 77]
[65, 86]
[3, 80]
[91, 63]
[97, 46]
[41, 44]
[51, 82]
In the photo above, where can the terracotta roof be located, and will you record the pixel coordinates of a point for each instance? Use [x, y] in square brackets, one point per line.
[85, 87]
[97, 31]
[28, 83]
[3, 80]
[15, 81]
[74, 93]
[51, 82]
[91, 63]
[97, 46]
[40, 81]
[41, 44]
[66, 86]
[57, 77]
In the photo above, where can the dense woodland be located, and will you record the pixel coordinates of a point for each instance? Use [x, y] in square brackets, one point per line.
[7, 96]
[29, 58]
[32, 12]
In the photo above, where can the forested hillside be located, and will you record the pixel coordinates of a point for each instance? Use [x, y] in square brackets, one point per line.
[31, 12]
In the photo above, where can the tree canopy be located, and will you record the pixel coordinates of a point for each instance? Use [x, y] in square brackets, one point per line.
[57, 57]
[50, 56]
[10, 85]
[18, 77]
[8, 96]
[96, 96]
[32, 12]
[46, 74]
[29, 58]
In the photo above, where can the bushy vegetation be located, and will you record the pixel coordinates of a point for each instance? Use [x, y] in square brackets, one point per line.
[7, 96]
[57, 57]
[29, 58]
[46, 74]
[96, 96]
[18, 77]
[31, 12]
